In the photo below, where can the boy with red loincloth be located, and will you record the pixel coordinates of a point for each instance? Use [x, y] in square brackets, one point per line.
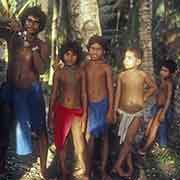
[68, 105]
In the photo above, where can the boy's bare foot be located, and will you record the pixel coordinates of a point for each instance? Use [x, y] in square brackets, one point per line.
[65, 174]
[142, 153]
[119, 171]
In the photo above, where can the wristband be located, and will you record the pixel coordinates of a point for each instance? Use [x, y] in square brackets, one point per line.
[35, 48]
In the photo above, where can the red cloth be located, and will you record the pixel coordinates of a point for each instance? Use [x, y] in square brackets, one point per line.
[63, 118]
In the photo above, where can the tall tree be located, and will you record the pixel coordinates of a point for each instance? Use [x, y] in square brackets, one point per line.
[84, 21]
[145, 34]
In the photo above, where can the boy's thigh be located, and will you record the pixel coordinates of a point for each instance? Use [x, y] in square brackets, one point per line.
[78, 136]
[133, 128]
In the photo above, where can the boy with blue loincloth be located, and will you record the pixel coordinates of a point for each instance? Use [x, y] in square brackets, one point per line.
[27, 57]
[100, 97]
[129, 102]
[162, 110]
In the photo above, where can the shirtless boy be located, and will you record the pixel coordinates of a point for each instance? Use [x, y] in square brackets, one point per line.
[162, 108]
[129, 102]
[68, 105]
[27, 57]
[100, 98]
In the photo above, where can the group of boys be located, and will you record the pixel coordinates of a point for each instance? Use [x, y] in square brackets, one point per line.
[82, 99]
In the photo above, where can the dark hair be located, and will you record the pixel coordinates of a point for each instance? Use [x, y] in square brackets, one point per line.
[99, 40]
[73, 46]
[137, 52]
[170, 65]
[35, 12]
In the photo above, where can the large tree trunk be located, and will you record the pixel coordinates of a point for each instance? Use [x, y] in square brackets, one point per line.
[53, 38]
[145, 34]
[84, 19]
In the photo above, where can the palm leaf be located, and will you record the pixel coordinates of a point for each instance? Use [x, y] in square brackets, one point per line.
[19, 11]
[5, 5]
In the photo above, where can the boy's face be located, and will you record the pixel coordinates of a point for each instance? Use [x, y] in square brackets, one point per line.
[32, 24]
[70, 58]
[130, 61]
[164, 72]
[96, 52]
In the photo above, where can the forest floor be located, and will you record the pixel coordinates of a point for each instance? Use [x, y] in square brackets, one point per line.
[158, 164]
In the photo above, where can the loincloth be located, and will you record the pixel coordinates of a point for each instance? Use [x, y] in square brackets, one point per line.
[29, 109]
[97, 122]
[63, 119]
[126, 121]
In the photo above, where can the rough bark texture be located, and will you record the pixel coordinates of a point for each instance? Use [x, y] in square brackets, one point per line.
[84, 19]
[145, 34]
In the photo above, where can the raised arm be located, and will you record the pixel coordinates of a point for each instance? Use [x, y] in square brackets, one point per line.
[4, 32]
[151, 86]
[110, 93]
[8, 27]
[117, 96]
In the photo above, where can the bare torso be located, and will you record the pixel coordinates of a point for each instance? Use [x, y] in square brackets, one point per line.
[162, 94]
[21, 71]
[69, 88]
[96, 81]
[132, 91]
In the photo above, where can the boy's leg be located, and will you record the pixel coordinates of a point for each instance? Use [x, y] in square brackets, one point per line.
[3, 151]
[130, 164]
[43, 150]
[80, 145]
[62, 166]
[152, 133]
[130, 136]
[163, 134]
[90, 151]
[147, 132]
[104, 152]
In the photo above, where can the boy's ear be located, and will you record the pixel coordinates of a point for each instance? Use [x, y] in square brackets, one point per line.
[139, 61]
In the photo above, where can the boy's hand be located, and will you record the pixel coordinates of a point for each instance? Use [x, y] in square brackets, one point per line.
[14, 25]
[83, 122]
[162, 116]
[50, 121]
[115, 117]
[109, 117]
[58, 64]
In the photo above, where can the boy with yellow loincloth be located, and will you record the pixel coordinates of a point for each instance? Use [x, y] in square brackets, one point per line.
[129, 102]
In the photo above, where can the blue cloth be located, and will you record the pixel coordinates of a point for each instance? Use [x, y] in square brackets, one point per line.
[97, 123]
[163, 132]
[29, 109]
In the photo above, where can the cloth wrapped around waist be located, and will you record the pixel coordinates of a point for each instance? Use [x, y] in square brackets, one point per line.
[63, 118]
[97, 122]
[126, 120]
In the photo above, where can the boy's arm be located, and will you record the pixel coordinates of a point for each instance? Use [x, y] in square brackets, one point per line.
[53, 98]
[7, 27]
[84, 100]
[110, 93]
[168, 101]
[117, 96]
[151, 87]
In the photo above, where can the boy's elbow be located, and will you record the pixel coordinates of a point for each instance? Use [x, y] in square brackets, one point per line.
[154, 88]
